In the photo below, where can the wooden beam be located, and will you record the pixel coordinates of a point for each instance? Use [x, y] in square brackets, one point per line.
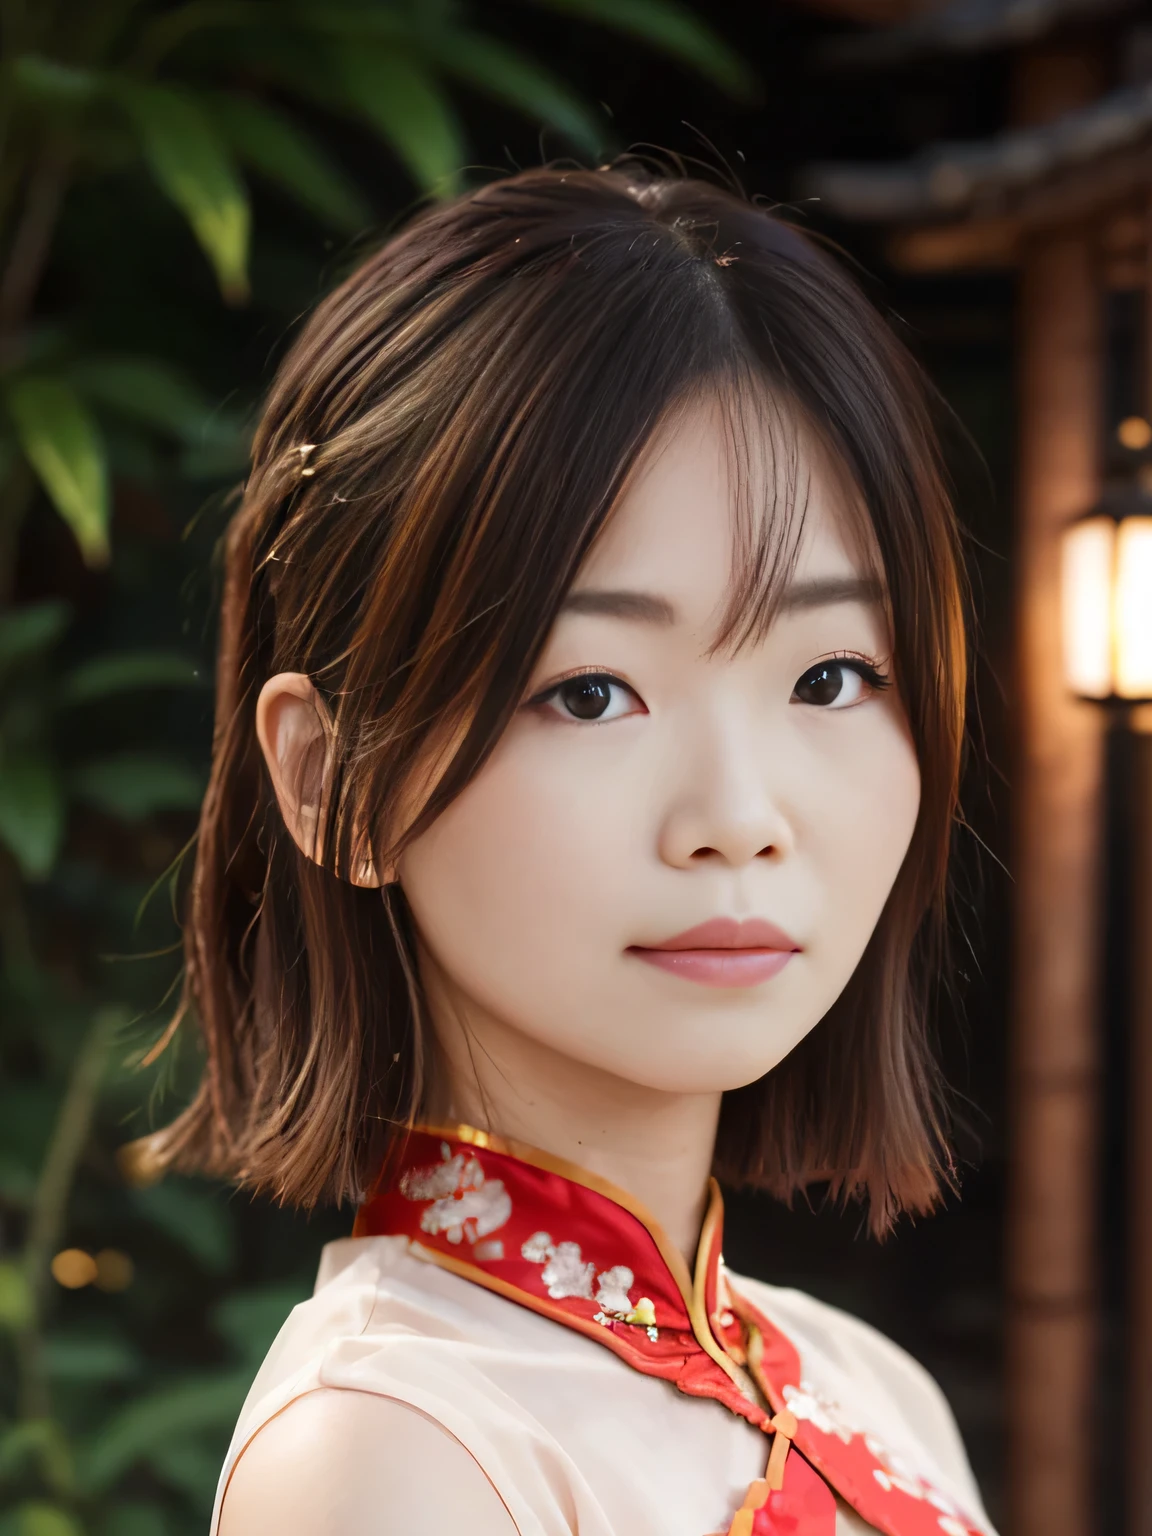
[973, 244]
[994, 236]
[1052, 1325]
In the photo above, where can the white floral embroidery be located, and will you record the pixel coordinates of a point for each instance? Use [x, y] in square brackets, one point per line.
[895, 1471]
[612, 1289]
[806, 1403]
[567, 1273]
[941, 1501]
[464, 1204]
[438, 1180]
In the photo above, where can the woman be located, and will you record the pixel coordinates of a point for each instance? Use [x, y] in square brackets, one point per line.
[590, 710]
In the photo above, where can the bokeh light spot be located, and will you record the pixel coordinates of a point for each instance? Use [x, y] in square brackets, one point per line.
[1134, 432]
[114, 1270]
[73, 1268]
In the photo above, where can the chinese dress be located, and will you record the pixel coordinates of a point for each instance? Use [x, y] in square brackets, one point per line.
[540, 1317]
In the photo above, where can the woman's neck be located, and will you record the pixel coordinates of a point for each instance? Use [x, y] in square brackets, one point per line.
[658, 1146]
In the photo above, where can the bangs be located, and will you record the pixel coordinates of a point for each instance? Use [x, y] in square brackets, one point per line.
[771, 448]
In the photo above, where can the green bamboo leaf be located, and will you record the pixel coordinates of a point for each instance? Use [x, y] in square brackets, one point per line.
[272, 145]
[216, 458]
[160, 1418]
[73, 1357]
[673, 29]
[194, 166]
[35, 78]
[504, 73]
[17, 1185]
[37, 1518]
[192, 1468]
[136, 1519]
[392, 24]
[403, 102]
[145, 390]
[194, 1216]
[121, 672]
[37, 1440]
[136, 785]
[28, 630]
[31, 813]
[63, 445]
[16, 1311]
[21, 1441]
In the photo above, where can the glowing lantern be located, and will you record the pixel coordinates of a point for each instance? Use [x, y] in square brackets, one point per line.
[1106, 592]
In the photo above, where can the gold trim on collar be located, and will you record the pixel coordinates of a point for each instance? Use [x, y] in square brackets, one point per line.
[536, 1158]
[692, 1288]
[697, 1306]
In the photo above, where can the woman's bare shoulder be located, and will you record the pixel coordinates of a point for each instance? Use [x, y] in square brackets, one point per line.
[346, 1463]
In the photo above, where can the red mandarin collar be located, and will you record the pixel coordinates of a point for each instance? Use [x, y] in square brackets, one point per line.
[577, 1249]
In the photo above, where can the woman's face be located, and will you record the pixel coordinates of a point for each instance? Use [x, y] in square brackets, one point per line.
[673, 860]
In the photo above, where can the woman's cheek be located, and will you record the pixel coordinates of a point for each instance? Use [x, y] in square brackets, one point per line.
[880, 795]
[520, 870]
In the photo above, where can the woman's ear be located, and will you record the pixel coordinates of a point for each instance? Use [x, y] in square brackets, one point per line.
[295, 731]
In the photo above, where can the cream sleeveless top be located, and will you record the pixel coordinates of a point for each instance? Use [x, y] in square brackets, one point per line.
[575, 1441]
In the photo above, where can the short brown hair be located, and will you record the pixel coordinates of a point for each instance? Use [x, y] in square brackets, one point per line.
[474, 397]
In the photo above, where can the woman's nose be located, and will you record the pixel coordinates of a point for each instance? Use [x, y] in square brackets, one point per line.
[723, 808]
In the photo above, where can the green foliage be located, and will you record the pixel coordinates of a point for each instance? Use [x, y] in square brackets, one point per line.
[133, 786]
[192, 163]
[156, 159]
[121, 671]
[672, 28]
[31, 812]
[279, 150]
[63, 446]
[16, 1306]
[36, 1518]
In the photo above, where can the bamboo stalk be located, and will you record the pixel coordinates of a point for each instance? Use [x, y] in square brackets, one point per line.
[50, 1202]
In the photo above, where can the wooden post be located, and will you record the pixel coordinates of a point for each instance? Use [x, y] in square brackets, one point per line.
[1139, 1405]
[1055, 1071]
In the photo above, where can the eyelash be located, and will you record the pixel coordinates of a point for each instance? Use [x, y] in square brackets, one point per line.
[549, 693]
[853, 661]
[859, 663]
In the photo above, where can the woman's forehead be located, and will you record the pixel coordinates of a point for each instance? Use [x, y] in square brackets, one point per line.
[708, 528]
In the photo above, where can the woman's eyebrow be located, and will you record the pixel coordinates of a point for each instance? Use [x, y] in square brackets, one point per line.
[822, 591]
[644, 607]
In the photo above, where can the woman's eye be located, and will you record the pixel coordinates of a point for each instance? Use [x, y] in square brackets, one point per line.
[838, 684]
[593, 696]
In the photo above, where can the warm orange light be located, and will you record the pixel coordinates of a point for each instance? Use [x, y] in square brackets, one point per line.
[1133, 608]
[114, 1270]
[73, 1268]
[1134, 432]
[1086, 582]
[1106, 596]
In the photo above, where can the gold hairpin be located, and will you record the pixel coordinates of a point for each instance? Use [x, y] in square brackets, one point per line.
[304, 450]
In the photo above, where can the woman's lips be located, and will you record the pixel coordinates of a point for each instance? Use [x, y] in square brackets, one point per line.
[723, 952]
